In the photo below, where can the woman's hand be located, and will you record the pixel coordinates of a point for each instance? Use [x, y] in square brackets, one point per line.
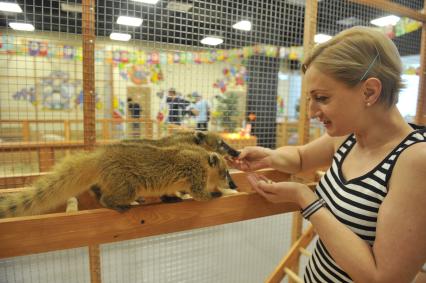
[253, 158]
[282, 191]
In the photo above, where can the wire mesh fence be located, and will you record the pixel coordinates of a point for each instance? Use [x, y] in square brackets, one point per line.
[155, 73]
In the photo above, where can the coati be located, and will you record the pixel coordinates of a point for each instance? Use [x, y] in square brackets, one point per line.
[124, 172]
[209, 140]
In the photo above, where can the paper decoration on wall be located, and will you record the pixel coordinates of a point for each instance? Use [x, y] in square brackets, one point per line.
[10, 44]
[28, 94]
[234, 77]
[57, 92]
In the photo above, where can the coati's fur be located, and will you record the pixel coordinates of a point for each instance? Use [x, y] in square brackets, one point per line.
[124, 172]
[208, 140]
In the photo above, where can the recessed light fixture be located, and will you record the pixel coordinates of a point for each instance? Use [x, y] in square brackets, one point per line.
[72, 8]
[320, 38]
[10, 7]
[120, 36]
[211, 40]
[178, 6]
[243, 25]
[147, 1]
[385, 21]
[129, 21]
[22, 26]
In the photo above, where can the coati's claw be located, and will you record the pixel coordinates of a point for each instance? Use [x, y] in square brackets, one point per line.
[216, 194]
[170, 199]
[122, 208]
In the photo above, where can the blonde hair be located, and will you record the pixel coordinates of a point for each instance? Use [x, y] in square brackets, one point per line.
[357, 54]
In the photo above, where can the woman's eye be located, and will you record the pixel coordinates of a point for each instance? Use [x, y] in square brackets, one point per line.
[321, 98]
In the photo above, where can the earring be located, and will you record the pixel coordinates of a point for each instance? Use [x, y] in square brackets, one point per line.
[368, 104]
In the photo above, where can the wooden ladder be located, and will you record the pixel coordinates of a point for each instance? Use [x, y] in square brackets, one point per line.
[299, 247]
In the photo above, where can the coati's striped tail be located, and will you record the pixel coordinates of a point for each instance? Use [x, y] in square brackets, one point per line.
[69, 178]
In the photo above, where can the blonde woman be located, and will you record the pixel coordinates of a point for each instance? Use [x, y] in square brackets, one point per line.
[369, 209]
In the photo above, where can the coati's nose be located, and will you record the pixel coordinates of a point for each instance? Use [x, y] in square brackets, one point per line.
[229, 150]
[231, 183]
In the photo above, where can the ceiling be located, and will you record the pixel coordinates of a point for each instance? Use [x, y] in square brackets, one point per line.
[277, 22]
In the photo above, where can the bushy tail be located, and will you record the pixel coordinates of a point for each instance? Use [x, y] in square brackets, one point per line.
[69, 178]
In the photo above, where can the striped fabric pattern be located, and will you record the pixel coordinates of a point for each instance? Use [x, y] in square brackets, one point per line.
[354, 202]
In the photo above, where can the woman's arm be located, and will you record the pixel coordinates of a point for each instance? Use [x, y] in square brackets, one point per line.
[316, 154]
[399, 250]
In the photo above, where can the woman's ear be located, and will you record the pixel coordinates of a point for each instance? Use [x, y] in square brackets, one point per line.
[372, 90]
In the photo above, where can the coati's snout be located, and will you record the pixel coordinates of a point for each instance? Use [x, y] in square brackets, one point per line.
[218, 175]
[215, 143]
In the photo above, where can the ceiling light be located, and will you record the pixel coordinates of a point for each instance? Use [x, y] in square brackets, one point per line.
[178, 6]
[320, 38]
[129, 21]
[74, 8]
[385, 21]
[243, 25]
[10, 7]
[211, 40]
[120, 36]
[147, 1]
[22, 26]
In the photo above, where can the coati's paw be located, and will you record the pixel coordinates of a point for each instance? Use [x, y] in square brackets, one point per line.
[216, 194]
[202, 196]
[122, 208]
[228, 192]
[170, 199]
[183, 195]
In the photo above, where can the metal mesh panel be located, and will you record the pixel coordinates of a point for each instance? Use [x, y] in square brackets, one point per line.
[59, 266]
[240, 252]
[251, 82]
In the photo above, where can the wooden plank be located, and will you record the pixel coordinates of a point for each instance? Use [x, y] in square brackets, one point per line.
[34, 234]
[278, 274]
[18, 181]
[393, 8]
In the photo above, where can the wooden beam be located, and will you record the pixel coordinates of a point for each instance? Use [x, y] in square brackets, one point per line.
[393, 8]
[89, 109]
[35, 234]
[278, 274]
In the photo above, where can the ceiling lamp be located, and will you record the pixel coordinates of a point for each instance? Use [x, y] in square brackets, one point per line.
[147, 1]
[385, 21]
[120, 36]
[320, 38]
[22, 26]
[211, 40]
[10, 7]
[129, 21]
[243, 25]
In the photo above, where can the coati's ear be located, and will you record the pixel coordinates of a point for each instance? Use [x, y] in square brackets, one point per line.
[199, 137]
[214, 159]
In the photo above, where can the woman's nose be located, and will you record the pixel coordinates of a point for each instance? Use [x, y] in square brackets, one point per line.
[313, 110]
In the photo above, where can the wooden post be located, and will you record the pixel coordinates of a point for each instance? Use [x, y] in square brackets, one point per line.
[303, 129]
[26, 131]
[88, 28]
[95, 264]
[106, 125]
[67, 130]
[46, 158]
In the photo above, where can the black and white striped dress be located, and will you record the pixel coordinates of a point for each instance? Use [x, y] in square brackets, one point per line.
[355, 203]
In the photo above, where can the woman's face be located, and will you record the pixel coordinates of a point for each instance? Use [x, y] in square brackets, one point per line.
[338, 107]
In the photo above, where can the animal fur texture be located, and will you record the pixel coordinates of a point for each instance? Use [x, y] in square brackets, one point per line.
[124, 172]
[208, 140]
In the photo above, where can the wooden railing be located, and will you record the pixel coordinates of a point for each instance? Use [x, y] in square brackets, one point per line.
[23, 128]
[93, 225]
